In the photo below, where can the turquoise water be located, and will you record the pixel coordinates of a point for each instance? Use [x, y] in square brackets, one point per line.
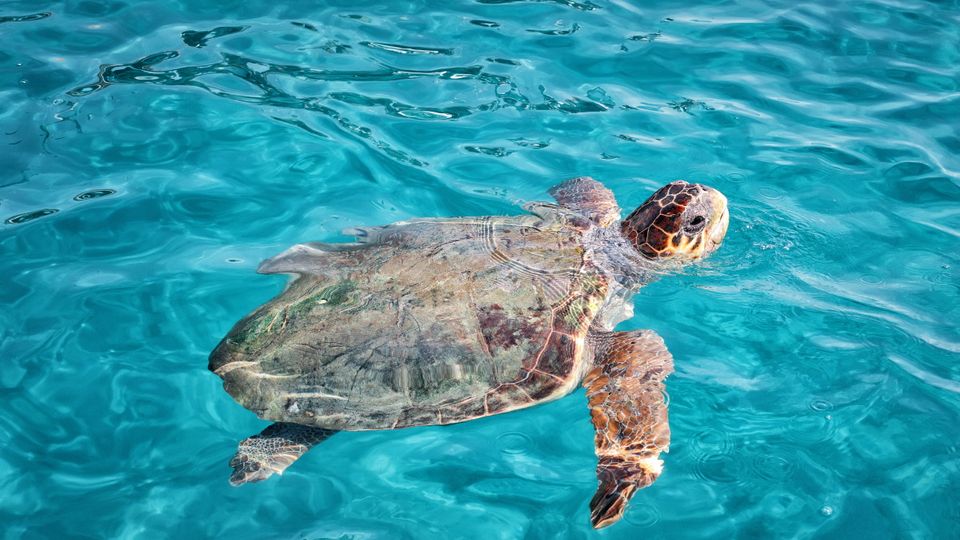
[152, 153]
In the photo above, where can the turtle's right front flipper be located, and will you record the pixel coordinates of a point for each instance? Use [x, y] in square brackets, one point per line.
[629, 415]
[273, 450]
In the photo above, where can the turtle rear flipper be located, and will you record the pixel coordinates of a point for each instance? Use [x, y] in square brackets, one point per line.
[273, 450]
[629, 415]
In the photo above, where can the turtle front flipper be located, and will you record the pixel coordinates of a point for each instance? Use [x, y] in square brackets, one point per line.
[273, 450]
[629, 413]
[315, 258]
[590, 198]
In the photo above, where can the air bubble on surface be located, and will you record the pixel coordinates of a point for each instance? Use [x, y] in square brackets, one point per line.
[821, 405]
[94, 194]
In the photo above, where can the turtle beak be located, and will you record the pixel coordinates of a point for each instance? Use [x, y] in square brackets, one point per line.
[718, 232]
[720, 220]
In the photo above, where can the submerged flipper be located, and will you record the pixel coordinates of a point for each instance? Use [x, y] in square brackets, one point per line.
[629, 415]
[588, 197]
[273, 450]
[308, 258]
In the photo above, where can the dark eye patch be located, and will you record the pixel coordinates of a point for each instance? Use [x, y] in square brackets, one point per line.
[696, 224]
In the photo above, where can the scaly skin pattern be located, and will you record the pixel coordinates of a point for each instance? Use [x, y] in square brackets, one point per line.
[273, 450]
[625, 392]
[427, 322]
[673, 220]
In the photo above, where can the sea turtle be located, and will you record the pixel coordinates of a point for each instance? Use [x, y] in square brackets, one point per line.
[438, 321]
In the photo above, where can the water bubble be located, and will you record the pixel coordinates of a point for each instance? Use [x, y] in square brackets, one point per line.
[234, 260]
[826, 510]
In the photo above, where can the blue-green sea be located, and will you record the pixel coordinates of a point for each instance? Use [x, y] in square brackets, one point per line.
[152, 153]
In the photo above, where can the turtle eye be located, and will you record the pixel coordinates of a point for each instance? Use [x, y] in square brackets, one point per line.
[696, 225]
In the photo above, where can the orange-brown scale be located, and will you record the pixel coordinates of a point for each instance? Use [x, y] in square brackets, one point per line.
[630, 419]
[654, 228]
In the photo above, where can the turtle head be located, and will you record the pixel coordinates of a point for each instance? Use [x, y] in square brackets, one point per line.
[681, 222]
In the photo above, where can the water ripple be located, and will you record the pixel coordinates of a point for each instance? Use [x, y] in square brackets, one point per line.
[199, 39]
[514, 443]
[582, 6]
[149, 162]
[94, 194]
[26, 18]
[406, 49]
[30, 216]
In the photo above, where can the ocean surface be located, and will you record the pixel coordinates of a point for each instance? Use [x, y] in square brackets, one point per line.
[152, 153]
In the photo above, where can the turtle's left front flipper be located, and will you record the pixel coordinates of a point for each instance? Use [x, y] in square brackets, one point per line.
[273, 450]
[629, 414]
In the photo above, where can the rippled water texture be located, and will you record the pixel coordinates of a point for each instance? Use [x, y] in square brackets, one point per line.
[152, 153]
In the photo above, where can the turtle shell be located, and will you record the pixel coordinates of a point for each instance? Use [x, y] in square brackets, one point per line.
[422, 322]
